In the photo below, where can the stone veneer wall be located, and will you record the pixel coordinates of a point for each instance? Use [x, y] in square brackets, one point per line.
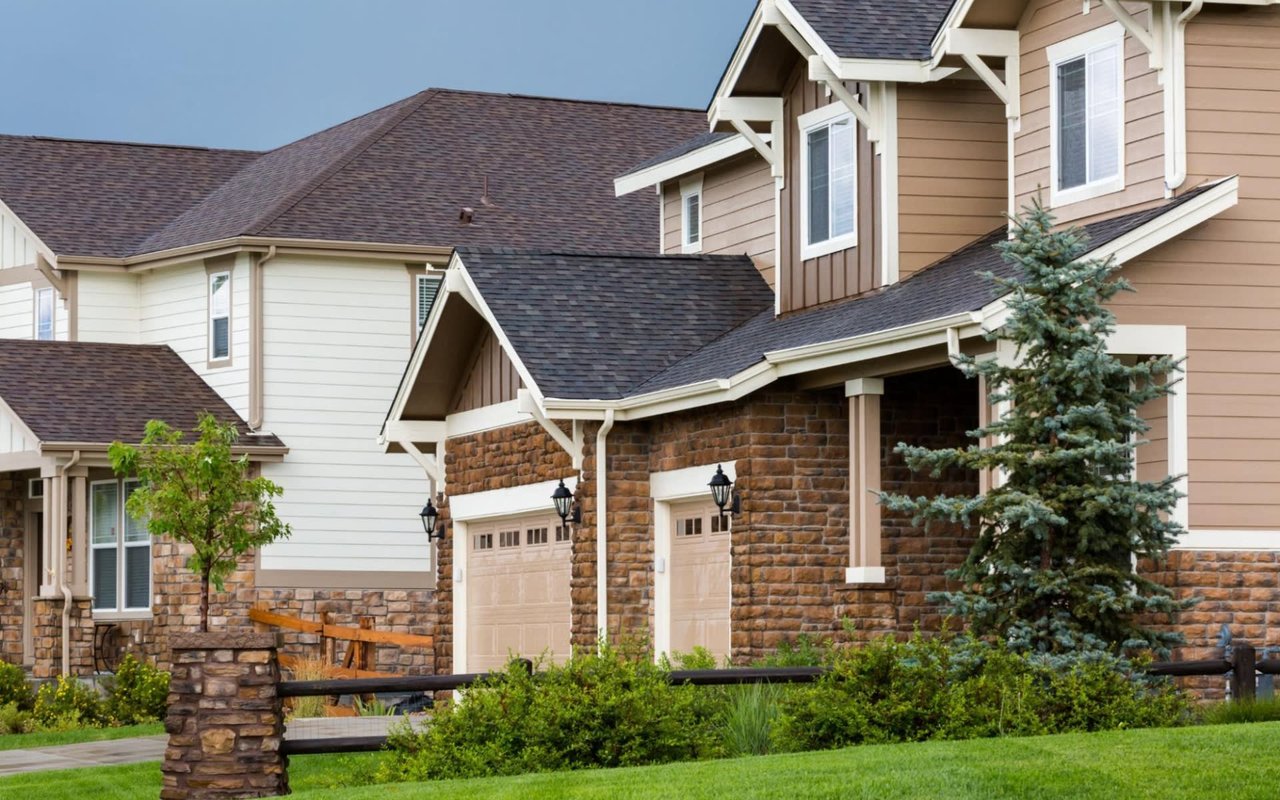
[47, 637]
[12, 541]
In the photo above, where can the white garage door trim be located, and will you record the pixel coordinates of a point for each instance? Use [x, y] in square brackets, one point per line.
[667, 488]
[490, 506]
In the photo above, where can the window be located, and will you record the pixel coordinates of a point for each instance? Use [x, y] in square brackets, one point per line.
[220, 316]
[44, 314]
[690, 526]
[563, 533]
[428, 286]
[534, 536]
[508, 538]
[35, 488]
[484, 541]
[121, 550]
[691, 214]
[829, 185]
[1087, 112]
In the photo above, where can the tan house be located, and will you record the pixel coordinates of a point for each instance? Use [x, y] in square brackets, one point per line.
[815, 268]
[284, 290]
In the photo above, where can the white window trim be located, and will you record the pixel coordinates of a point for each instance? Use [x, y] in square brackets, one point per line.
[1069, 50]
[32, 485]
[41, 292]
[691, 187]
[807, 122]
[220, 360]
[120, 611]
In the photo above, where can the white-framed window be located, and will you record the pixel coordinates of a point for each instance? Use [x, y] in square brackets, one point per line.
[35, 488]
[120, 564]
[219, 316]
[45, 306]
[1086, 115]
[426, 288]
[691, 214]
[828, 181]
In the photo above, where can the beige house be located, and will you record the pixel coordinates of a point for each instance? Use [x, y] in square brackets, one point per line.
[814, 270]
[284, 290]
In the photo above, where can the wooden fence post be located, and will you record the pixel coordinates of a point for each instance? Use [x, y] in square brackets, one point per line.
[1244, 681]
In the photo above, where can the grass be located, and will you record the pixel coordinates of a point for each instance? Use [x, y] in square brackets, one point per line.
[26, 741]
[1207, 762]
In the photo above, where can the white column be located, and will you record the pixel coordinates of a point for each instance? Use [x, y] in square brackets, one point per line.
[864, 481]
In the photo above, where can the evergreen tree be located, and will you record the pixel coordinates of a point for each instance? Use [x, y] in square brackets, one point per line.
[1053, 566]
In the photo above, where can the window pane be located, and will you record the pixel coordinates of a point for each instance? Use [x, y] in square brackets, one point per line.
[44, 314]
[137, 576]
[844, 155]
[220, 295]
[134, 530]
[1104, 114]
[221, 338]
[104, 577]
[428, 288]
[693, 219]
[104, 512]
[1072, 164]
[819, 186]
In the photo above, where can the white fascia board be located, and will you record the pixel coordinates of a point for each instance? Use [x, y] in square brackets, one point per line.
[531, 498]
[414, 430]
[740, 54]
[955, 18]
[687, 483]
[873, 345]
[1228, 540]
[486, 418]
[679, 166]
[887, 69]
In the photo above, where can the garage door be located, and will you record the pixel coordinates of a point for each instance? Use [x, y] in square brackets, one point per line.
[517, 592]
[700, 593]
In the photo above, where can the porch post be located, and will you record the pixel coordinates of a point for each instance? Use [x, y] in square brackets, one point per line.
[985, 477]
[864, 480]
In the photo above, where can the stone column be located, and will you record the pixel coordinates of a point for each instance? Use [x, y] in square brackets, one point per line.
[226, 719]
[865, 565]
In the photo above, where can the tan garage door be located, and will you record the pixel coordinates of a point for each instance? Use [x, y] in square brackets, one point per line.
[700, 594]
[517, 592]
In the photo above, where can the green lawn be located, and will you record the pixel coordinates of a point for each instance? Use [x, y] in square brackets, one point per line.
[26, 741]
[1232, 762]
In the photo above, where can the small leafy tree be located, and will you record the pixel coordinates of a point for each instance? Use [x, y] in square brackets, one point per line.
[1053, 567]
[200, 494]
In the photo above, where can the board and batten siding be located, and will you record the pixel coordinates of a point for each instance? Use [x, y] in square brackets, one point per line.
[334, 349]
[173, 309]
[13, 436]
[491, 377]
[844, 273]
[1222, 279]
[952, 175]
[737, 212]
[108, 307]
[18, 287]
[1045, 23]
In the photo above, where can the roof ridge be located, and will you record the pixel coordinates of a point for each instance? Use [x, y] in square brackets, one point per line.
[412, 105]
[39, 137]
[550, 98]
[620, 254]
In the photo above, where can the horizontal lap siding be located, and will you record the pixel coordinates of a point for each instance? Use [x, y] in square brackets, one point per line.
[335, 341]
[491, 377]
[737, 212]
[1222, 279]
[108, 307]
[1048, 22]
[952, 169]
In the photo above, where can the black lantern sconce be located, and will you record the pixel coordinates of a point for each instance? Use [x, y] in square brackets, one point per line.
[569, 511]
[430, 515]
[723, 493]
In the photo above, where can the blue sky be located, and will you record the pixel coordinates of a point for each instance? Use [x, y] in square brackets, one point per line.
[260, 73]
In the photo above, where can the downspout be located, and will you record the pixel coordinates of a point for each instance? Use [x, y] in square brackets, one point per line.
[62, 507]
[602, 549]
[257, 392]
[1177, 127]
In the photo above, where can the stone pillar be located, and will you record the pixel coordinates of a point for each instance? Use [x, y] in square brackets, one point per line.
[226, 719]
[865, 565]
[47, 637]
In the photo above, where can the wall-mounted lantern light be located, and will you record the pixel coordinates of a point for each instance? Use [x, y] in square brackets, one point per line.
[430, 514]
[568, 510]
[723, 493]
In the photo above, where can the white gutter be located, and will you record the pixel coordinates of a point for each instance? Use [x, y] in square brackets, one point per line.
[60, 508]
[602, 542]
[1176, 101]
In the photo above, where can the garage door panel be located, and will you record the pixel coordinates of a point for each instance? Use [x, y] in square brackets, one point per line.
[700, 579]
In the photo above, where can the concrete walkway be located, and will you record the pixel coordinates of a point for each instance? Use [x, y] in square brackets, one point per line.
[151, 748]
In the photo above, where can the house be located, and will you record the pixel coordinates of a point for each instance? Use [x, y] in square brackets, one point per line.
[815, 270]
[280, 290]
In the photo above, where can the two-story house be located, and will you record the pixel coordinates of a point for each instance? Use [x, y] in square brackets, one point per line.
[816, 268]
[281, 290]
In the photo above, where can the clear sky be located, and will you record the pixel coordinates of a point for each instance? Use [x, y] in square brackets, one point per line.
[260, 73]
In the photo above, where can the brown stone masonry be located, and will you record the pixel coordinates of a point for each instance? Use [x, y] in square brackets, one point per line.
[225, 720]
[12, 534]
[47, 637]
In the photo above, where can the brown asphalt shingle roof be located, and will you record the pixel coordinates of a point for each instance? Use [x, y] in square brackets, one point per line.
[890, 29]
[397, 175]
[96, 393]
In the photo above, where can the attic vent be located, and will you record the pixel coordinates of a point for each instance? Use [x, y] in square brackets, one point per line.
[466, 215]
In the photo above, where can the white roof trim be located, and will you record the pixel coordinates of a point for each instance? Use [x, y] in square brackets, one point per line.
[681, 165]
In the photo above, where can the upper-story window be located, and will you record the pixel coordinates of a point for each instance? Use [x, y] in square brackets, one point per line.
[428, 286]
[691, 214]
[220, 316]
[829, 181]
[44, 314]
[1086, 76]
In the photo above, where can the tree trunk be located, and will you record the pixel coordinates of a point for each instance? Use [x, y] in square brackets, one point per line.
[204, 601]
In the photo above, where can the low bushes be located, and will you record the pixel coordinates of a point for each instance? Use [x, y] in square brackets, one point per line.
[135, 694]
[14, 689]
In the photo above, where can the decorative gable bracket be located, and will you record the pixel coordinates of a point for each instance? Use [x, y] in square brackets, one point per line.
[973, 44]
[871, 116]
[741, 112]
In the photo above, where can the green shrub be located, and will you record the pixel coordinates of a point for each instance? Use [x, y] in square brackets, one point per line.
[1231, 712]
[137, 692]
[805, 651]
[14, 687]
[14, 719]
[605, 710]
[67, 703]
[750, 713]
